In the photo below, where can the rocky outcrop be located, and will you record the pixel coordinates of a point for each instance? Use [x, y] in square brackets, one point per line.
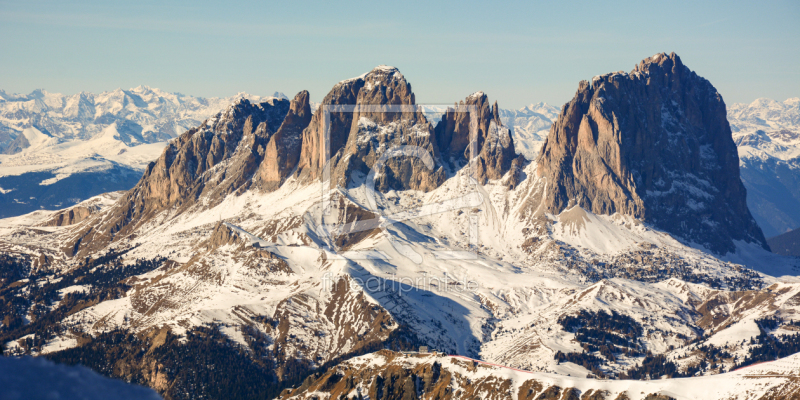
[494, 147]
[284, 147]
[654, 144]
[358, 137]
[71, 216]
[216, 159]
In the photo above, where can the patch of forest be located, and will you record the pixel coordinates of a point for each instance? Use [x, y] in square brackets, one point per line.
[609, 334]
[36, 298]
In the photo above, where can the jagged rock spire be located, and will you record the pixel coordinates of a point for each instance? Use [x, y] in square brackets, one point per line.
[284, 147]
[494, 150]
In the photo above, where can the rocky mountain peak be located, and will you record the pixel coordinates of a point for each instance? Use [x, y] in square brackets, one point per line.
[385, 85]
[654, 144]
[659, 60]
[495, 146]
[356, 138]
[374, 131]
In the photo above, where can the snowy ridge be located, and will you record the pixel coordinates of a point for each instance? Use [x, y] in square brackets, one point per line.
[490, 382]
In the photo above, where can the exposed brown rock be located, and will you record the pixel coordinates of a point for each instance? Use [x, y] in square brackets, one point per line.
[494, 149]
[529, 389]
[214, 160]
[654, 144]
[283, 150]
[357, 140]
[315, 149]
[594, 394]
[658, 396]
[551, 393]
[71, 216]
[357, 224]
[516, 175]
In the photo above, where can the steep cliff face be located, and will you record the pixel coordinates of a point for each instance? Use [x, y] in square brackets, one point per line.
[283, 149]
[379, 117]
[218, 158]
[316, 148]
[654, 144]
[359, 140]
[494, 147]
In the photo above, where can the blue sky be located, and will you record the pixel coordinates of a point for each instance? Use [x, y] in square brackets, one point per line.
[517, 52]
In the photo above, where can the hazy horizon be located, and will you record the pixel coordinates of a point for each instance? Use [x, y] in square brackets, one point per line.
[516, 53]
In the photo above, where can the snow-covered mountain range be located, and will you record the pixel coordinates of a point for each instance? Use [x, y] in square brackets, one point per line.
[142, 114]
[272, 243]
[530, 125]
[767, 134]
[57, 150]
[117, 133]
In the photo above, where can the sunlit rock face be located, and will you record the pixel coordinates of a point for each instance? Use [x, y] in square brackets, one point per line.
[654, 144]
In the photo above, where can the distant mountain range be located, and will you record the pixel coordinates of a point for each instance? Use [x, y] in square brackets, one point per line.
[143, 114]
[276, 251]
[767, 134]
[58, 150]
